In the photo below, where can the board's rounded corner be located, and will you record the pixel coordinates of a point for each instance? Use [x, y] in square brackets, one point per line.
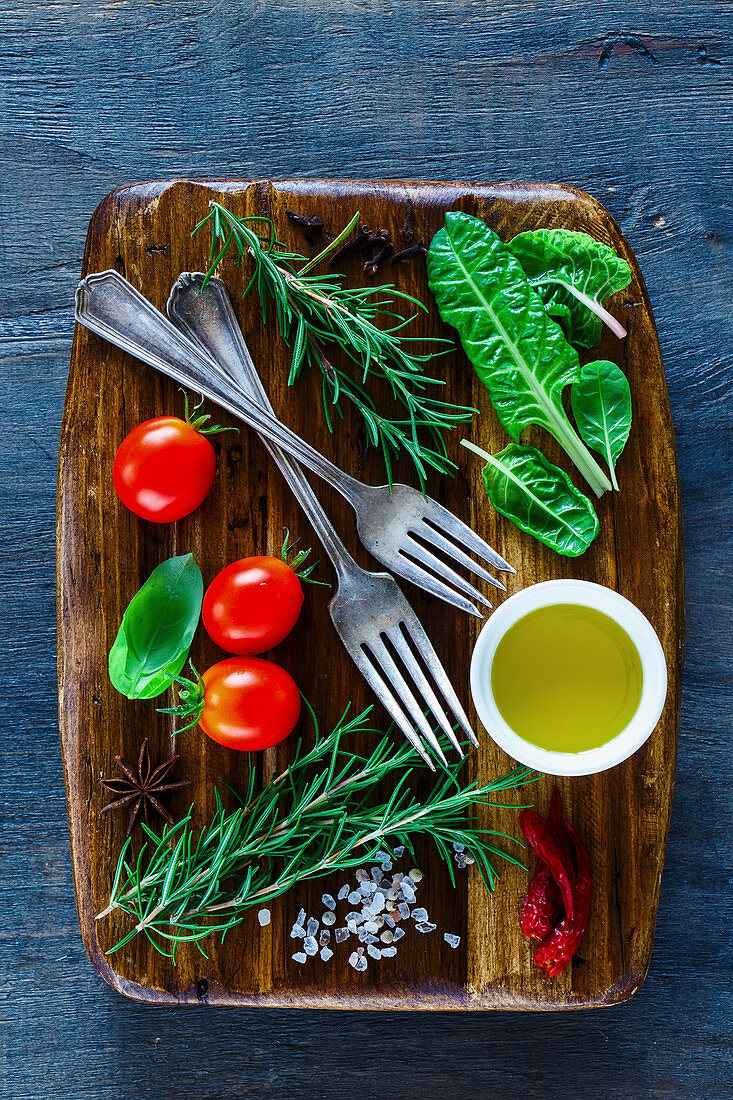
[133, 991]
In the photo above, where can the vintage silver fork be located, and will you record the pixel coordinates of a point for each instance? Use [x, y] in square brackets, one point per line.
[401, 527]
[377, 626]
[392, 524]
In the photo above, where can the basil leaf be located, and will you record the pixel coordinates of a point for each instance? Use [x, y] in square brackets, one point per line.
[517, 350]
[157, 629]
[601, 402]
[573, 274]
[539, 497]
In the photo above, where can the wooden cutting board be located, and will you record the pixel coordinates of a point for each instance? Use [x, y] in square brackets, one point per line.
[105, 553]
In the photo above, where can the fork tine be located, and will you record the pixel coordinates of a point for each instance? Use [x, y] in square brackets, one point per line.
[416, 550]
[435, 538]
[413, 573]
[398, 640]
[381, 654]
[386, 697]
[425, 648]
[439, 517]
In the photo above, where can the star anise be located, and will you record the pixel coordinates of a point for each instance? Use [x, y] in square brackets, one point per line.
[140, 788]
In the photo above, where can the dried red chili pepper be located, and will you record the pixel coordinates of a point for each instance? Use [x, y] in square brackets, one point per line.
[550, 843]
[557, 951]
[543, 904]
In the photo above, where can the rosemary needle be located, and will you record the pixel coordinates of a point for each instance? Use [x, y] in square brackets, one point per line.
[317, 312]
[315, 818]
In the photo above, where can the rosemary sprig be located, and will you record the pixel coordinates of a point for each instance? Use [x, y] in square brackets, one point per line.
[315, 818]
[317, 311]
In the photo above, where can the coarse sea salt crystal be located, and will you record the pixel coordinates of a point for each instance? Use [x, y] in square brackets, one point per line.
[404, 910]
[400, 851]
[344, 891]
[451, 939]
[381, 855]
[389, 921]
[460, 859]
[408, 892]
[397, 934]
[419, 914]
[458, 847]
[354, 958]
[351, 925]
[324, 937]
[387, 865]
[300, 919]
[378, 901]
[309, 945]
[371, 926]
[355, 897]
[387, 936]
[311, 927]
[341, 934]
[297, 932]
[374, 951]
[361, 875]
[376, 872]
[388, 952]
[263, 917]
[299, 957]
[329, 917]
[416, 874]
[361, 964]
[329, 901]
[426, 926]
[326, 953]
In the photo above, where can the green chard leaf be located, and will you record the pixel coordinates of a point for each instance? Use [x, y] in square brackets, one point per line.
[539, 497]
[601, 402]
[157, 629]
[518, 351]
[574, 275]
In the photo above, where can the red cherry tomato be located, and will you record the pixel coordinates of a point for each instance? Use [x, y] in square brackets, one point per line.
[249, 703]
[163, 469]
[252, 605]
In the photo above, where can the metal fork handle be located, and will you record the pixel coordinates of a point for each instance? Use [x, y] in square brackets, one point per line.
[207, 318]
[110, 306]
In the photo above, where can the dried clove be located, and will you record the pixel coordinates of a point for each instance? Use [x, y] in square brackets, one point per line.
[312, 223]
[372, 265]
[358, 241]
[418, 249]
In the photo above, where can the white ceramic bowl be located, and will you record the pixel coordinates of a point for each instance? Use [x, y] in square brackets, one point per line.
[639, 630]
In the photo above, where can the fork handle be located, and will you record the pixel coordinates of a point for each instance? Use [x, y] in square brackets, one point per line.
[110, 306]
[205, 315]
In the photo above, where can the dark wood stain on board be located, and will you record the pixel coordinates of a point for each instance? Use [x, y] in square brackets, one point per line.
[104, 554]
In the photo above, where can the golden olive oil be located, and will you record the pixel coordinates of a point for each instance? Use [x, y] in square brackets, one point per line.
[566, 678]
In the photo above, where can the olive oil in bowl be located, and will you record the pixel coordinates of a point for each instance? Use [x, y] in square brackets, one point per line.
[566, 678]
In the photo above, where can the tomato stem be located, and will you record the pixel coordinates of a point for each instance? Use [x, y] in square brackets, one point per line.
[198, 422]
[192, 700]
[298, 559]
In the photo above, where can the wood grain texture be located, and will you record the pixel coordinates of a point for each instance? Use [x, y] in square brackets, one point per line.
[95, 95]
[105, 553]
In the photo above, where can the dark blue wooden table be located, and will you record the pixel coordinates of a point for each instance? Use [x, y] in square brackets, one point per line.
[632, 104]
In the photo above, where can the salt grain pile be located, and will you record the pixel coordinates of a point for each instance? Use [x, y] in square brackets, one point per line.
[380, 906]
